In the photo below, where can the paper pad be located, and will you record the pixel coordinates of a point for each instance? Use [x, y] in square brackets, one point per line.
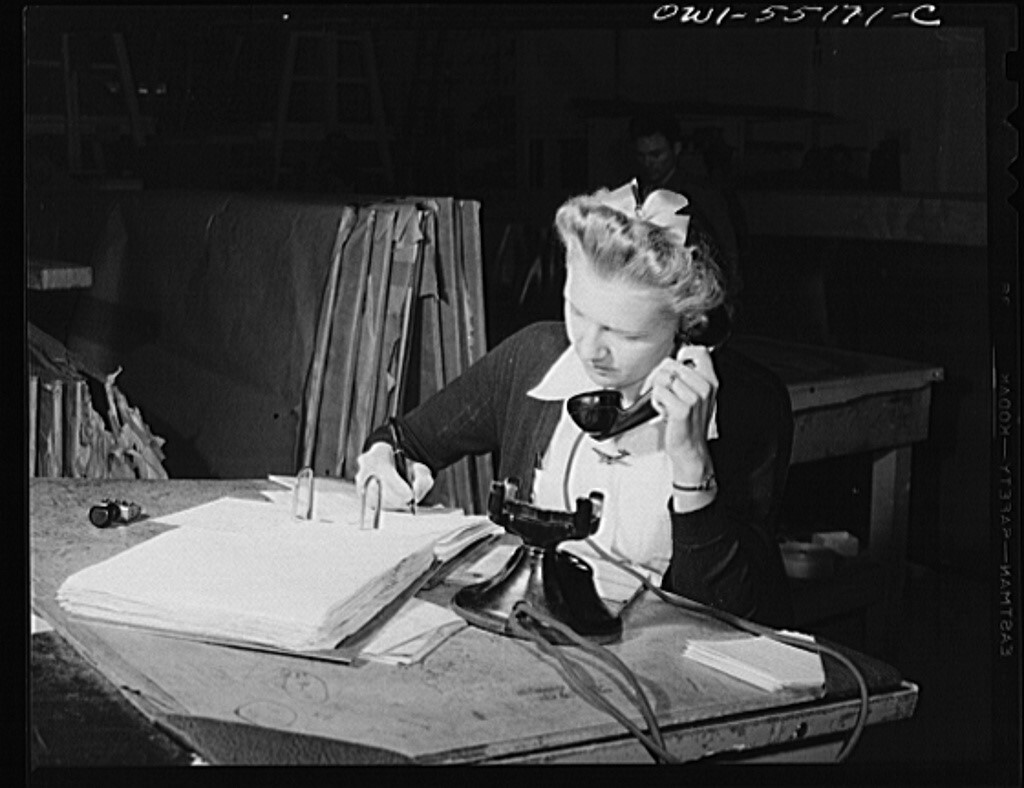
[761, 661]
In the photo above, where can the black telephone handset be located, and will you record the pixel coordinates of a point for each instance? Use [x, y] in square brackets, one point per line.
[600, 413]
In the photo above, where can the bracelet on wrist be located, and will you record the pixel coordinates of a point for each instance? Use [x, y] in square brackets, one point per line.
[707, 484]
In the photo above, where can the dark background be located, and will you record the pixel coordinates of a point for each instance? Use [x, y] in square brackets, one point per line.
[867, 164]
[522, 107]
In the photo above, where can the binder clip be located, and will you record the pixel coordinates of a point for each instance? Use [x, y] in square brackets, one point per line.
[376, 506]
[303, 501]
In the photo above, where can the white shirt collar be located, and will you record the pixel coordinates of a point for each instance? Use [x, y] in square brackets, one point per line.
[565, 378]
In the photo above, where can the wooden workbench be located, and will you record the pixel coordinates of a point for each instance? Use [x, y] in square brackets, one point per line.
[478, 698]
[848, 403]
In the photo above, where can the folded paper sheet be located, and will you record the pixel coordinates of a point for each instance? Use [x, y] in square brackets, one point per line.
[254, 574]
[416, 630]
[762, 661]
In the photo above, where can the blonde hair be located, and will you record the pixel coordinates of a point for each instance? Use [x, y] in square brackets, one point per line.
[618, 245]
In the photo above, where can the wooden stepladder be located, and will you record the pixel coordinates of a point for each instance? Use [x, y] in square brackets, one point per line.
[99, 97]
[330, 88]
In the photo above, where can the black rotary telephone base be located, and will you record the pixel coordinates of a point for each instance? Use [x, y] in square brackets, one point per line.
[553, 581]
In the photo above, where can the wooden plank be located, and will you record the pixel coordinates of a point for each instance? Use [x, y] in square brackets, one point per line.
[429, 356]
[336, 407]
[431, 359]
[56, 453]
[460, 300]
[887, 540]
[402, 283]
[817, 376]
[743, 738]
[50, 440]
[452, 342]
[143, 455]
[473, 279]
[475, 333]
[890, 502]
[475, 495]
[99, 443]
[432, 372]
[369, 348]
[447, 288]
[55, 275]
[314, 389]
[464, 470]
[51, 353]
[818, 750]
[397, 404]
[388, 379]
[389, 310]
[875, 422]
[90, 460]
[75, 418]
[33, 406]
[849, 389]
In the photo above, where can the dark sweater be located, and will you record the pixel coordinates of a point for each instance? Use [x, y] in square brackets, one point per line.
[724, 554]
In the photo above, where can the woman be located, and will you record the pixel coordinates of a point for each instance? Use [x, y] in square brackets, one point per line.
[691, 493]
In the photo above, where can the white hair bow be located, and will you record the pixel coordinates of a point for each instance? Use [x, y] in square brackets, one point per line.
[660, 207]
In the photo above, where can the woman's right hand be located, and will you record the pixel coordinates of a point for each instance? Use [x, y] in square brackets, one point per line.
[379, 461]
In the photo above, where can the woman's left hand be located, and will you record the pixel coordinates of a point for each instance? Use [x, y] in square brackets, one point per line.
[683, 391]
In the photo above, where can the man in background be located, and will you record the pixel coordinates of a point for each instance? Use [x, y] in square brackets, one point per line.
[662, 163]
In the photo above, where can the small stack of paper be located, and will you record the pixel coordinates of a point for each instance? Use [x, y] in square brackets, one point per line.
[251, 573]
[762, 661]
[416, 630]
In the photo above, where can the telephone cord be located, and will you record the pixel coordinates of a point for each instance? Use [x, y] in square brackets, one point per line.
[609, 657]
[584, 685]
[738, 622]
[757, 629]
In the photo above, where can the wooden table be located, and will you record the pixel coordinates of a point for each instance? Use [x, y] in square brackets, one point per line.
[479, 698]
[849, 403]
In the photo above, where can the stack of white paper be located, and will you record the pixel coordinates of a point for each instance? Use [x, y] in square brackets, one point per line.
[761, 661]
[256, 575]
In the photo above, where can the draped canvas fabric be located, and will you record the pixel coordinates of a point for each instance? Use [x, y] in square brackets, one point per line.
[211, 304]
